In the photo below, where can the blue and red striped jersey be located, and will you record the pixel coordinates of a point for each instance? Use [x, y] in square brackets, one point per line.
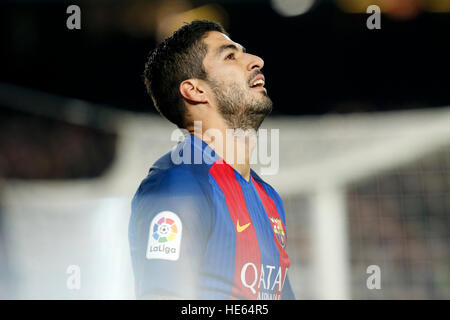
[199, 230]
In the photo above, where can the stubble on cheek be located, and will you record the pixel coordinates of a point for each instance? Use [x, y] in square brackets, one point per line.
[239, 107]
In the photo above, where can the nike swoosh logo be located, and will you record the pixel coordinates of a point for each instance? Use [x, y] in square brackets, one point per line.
[241, 228]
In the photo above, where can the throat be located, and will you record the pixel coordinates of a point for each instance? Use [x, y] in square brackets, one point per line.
[244, 170]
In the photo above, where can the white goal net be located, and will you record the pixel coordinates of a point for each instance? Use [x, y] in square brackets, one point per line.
[359, 190]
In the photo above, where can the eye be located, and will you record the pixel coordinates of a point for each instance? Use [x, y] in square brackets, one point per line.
[230, 56]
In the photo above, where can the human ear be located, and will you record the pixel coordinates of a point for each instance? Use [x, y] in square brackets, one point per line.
[192, 91]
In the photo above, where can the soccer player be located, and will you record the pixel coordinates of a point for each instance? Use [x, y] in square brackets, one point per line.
[203, 224]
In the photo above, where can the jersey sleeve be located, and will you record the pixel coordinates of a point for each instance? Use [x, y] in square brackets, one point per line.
[168, 231]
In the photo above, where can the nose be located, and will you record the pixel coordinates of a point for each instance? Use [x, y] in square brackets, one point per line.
[255, 62]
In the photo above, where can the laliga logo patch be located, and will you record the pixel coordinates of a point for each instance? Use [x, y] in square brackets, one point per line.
[164, 237]
[279, 231]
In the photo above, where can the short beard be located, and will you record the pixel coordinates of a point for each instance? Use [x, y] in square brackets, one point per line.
[239, 110]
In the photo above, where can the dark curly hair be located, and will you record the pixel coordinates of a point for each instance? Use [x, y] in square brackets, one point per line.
[174, 60]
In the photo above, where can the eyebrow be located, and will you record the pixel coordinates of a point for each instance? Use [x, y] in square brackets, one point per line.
[228, 46]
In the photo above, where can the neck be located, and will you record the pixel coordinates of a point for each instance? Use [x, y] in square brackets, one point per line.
[234, 146]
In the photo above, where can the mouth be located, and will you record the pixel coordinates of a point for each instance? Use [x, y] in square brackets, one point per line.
[258, 83]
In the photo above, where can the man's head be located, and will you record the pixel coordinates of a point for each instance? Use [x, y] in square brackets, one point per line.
[199, 73]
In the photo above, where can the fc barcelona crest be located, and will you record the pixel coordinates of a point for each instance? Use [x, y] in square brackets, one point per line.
[278, 230]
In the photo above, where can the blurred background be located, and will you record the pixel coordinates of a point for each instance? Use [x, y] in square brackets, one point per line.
[368, 182]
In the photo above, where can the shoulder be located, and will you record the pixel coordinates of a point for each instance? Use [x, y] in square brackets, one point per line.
[180, 188]
[176, 179]
[271, 192]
